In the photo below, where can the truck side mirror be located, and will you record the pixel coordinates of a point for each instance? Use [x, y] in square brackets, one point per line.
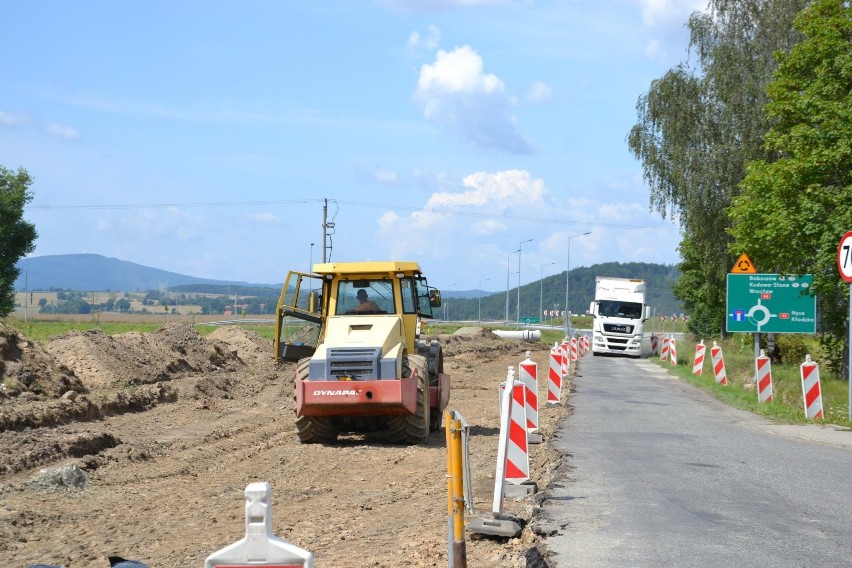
[592, 309]
[647, 313]
[435, 298]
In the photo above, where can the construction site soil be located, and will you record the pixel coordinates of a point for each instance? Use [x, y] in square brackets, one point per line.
[141, 445]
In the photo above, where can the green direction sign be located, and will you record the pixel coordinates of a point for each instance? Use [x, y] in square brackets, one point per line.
[770, 303]
[531, 320]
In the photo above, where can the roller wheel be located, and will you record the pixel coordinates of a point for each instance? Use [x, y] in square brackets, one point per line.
[413, 428]
[313, 429]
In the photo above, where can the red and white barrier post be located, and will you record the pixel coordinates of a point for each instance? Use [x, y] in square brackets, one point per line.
[672, 351]
[718, 360]
[698, 362]
[513, 434]
[573, 349]
[260, 547]
[763, 371]
[554, 377]
[529, 377]
[655, 345]
[566, 357]
[811, 389]
[664, 352]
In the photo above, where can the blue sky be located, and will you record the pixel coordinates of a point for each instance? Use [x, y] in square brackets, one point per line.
[203, 137]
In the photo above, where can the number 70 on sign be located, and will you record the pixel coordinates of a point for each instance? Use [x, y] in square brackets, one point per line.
[844, 257]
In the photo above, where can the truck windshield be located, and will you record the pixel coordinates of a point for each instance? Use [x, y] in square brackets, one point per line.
[616, 308]
[365, 297]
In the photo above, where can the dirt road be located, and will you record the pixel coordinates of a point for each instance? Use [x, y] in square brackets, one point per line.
[168, 428]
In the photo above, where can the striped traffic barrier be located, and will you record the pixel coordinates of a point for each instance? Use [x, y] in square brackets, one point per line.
[585, 344]
[565, 347]
[512, 422]
[554, 377]
[672, 351]
[698, 362]
[763, 370]
[664, 350]
[573, 349]
[718, 360]
[655, 345]
[529, 377]
[811, 390]
[260, 547]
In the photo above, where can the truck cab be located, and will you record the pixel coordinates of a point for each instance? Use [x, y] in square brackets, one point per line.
[619, 313]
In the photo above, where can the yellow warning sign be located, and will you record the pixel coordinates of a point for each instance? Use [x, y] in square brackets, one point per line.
[744, 265]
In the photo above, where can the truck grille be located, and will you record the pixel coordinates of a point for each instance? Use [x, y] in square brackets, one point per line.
[617, 328]
[355, 363]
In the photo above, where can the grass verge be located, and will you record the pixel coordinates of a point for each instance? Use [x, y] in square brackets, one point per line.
[787, 405]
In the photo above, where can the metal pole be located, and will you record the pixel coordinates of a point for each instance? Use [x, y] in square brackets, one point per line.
[448, 421]
[324, 225]
[459, 545]
[508, 258]
[480, 297]
[518, 307]
[568, 281]
[541, 288]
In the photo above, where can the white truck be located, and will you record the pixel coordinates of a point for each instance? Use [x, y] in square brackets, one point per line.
[618, 316]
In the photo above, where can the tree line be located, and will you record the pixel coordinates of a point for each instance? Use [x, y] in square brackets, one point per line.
[748, 143]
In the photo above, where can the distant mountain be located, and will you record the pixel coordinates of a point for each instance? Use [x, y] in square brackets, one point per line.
[93, 272]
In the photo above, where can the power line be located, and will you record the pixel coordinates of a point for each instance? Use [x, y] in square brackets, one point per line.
[442, 210]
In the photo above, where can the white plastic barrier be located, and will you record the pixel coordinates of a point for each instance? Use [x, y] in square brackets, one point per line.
[554, 382]
[718, 360]
[698, 361]
[529, 377]
[260, 547]
[763, 371]
[811, 389]
[513, 432]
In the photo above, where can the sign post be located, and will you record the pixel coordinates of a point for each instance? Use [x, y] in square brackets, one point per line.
[844, 265]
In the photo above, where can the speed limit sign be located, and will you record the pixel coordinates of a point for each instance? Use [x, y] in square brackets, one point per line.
[844, 257]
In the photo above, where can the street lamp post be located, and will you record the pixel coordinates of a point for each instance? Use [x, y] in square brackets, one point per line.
[518, 314]
[568, 281]
[541, 287]
[480, 297]
[311, 265]
[508, 259]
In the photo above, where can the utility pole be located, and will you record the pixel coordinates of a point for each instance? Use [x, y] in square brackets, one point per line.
[326, 236]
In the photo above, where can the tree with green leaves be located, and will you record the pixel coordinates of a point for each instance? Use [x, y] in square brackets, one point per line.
[697, 128]
[17, 237]
[795, 207]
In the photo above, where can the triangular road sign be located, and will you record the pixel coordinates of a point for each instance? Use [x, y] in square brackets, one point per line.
[743, 265]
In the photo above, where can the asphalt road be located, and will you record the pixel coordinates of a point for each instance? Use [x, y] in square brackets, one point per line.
[660, 473]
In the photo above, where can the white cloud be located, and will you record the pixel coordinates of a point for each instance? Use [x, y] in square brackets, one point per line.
[431, 40]
[499, 191]
[488, 227]
[61, 132]
[386, 177]
[11, 120]
[539, 93]
[457, 96]
[666, 20]
[265, 218]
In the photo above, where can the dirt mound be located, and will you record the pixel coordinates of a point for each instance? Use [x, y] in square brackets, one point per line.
[30, 372]
[163, 482]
